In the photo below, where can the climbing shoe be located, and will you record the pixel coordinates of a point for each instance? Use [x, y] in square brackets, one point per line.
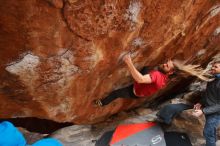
[98, 102]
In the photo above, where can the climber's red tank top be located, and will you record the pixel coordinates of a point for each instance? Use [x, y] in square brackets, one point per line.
[159, 80]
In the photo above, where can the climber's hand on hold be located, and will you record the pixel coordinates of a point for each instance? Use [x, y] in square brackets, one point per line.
[127, 58]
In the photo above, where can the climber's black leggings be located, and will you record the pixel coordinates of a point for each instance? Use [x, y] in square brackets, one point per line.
[126, 92]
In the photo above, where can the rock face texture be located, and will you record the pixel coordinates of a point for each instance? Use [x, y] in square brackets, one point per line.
[57, 56]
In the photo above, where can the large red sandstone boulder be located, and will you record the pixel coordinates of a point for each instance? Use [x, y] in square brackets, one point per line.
[57, 56]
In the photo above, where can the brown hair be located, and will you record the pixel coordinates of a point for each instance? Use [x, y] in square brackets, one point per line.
[216, 62]
[190, 69]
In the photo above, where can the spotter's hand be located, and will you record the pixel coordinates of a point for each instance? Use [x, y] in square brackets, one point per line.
[197, 106]
[197, 113]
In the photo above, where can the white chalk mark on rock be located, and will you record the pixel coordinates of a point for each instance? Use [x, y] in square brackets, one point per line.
[138, 42]
[27, 64]
[215, 10]
[217, 31]
[201, 52]
[133, 11]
